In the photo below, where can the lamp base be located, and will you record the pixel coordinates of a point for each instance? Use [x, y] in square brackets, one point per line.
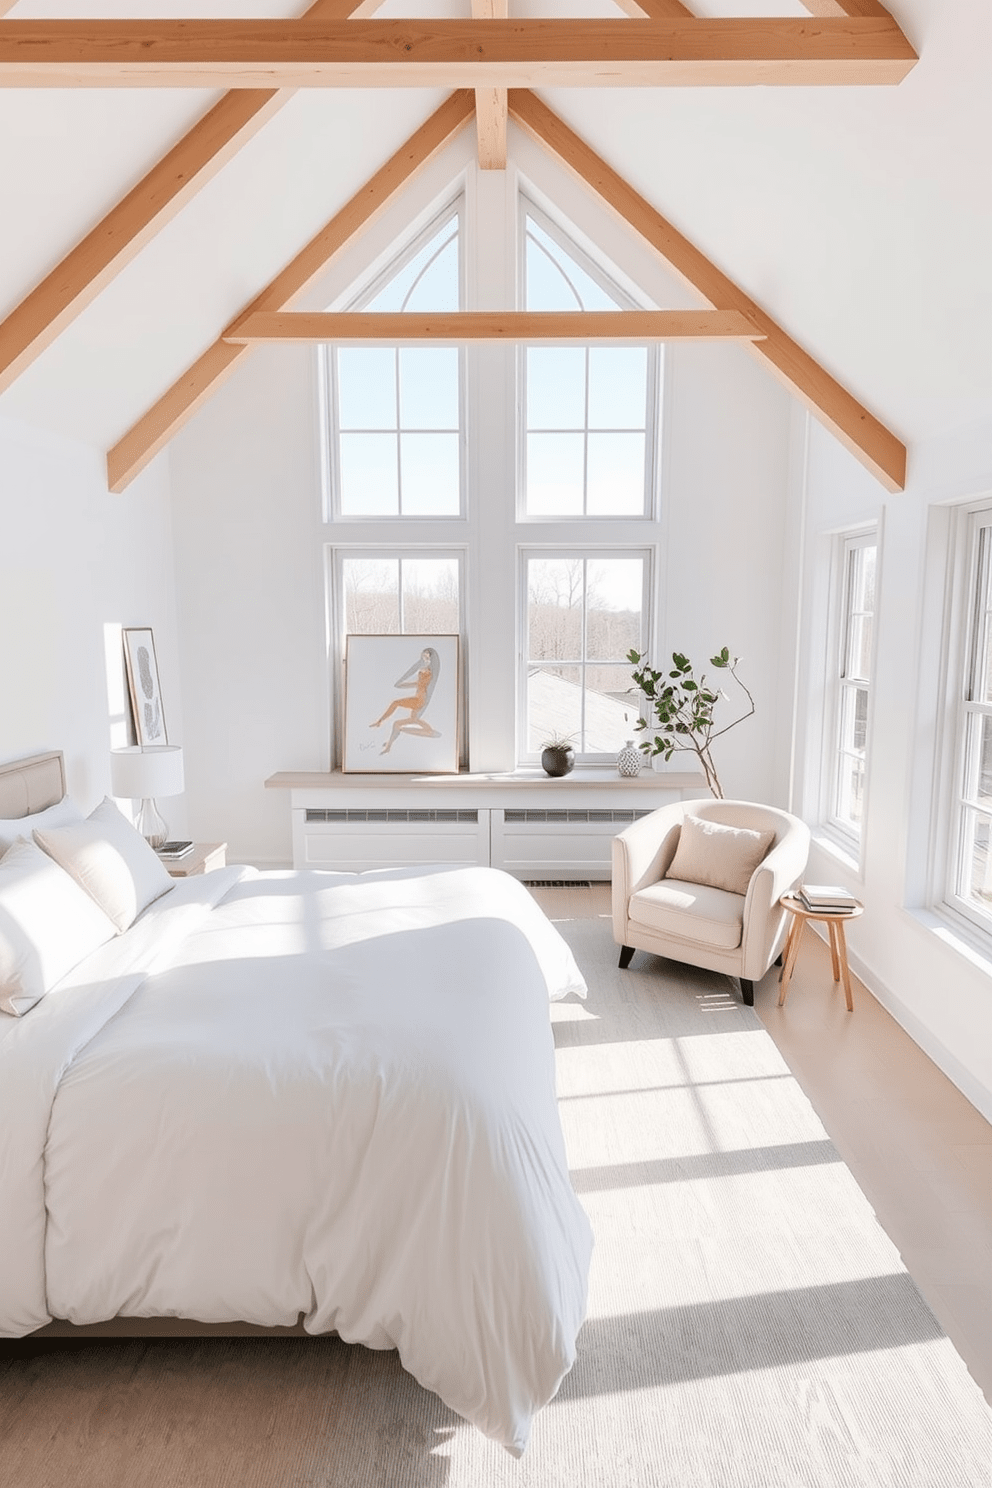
[152, 825]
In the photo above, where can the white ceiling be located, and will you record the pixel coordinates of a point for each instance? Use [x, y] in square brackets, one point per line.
[860, 218]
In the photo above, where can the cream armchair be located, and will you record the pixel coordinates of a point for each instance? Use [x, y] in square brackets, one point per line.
[700, 922]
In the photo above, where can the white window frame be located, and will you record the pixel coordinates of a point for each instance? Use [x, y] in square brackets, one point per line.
[970, 627]
[330, 443]
[590, 553]
[844, 683]
[526, 207]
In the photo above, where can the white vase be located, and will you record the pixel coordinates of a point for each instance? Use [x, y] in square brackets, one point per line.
[629, 760]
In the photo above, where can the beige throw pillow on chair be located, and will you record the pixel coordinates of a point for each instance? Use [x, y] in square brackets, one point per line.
[716, 855]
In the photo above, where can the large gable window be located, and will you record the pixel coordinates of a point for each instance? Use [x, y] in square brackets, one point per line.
[589, 410]
[396, 410]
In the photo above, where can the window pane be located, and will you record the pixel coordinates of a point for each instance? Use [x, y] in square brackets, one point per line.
[554, 705]
[976, 861]
[554, 609]
[429, 281]
[863, 578]
[429, 387]
[978, 760]
[613, 598]
[367, 387]
[556, 387]
[617, 387]
[851, 788]
[430, 475]
[859, 646]
[615, 475]
[437, 286]
[368, 475]
[555, 281]
[610, 711]
[854, 719]
[430, 596]
[371, 595]
[554, 474]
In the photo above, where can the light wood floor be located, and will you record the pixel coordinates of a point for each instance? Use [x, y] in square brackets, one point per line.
[919, 1150]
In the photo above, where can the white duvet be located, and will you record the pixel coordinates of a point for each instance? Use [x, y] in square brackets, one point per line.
[309, 1093]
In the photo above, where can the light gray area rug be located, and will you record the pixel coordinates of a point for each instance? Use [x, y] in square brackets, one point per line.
[750, 1324]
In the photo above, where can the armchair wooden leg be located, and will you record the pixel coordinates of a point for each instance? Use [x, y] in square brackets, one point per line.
[747, 992]
[626, 953]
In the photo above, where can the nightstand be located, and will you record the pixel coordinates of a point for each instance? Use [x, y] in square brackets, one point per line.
[204, 857]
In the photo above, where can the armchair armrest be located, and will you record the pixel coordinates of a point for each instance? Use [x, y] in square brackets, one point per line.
[780, 871]
[641, 855]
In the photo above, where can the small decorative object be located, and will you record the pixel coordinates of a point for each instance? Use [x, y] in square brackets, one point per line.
[630, 759]
[142, 774]
[142, 682]
[401, 704]
[557, 755]
[684, 708]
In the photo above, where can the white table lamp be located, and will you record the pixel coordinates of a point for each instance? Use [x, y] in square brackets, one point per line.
[143, 774]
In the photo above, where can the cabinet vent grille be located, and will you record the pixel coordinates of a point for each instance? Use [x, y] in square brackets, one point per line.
[522, 815]
[322, 814]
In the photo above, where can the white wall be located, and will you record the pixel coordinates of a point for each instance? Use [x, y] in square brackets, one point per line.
[249, 537]
[74, 561]
[933, 981]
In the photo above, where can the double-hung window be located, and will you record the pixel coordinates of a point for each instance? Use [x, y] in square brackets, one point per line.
[853, 683]
[970, 877]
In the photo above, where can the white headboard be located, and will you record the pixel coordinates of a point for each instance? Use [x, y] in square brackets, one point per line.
[29, 785]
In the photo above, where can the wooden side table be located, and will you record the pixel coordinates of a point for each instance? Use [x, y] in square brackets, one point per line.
[838, 944]
[204, 857]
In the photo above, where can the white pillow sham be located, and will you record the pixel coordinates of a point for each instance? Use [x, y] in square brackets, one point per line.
[111, 860]
[47, 926]
[59, 815]
[716, 855]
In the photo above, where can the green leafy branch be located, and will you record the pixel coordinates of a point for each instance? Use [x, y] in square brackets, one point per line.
[683, 708]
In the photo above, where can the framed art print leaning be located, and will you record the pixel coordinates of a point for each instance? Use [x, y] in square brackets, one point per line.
[142, 682]
[401, 704]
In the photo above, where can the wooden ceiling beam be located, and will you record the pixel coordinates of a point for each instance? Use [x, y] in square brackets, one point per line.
[454, 53]
[869, 440]
[154, 429]
[454, 328]
[845, 8]
[490, 103]
[100, 256]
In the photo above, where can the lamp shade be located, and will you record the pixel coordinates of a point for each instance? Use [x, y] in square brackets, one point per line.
[137, 773]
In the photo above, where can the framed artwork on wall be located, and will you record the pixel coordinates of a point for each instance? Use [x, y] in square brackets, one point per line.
[142, 683]
[401, 704]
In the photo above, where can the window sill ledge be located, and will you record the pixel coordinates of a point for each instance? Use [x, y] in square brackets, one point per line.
[969, 947]
[838, 853]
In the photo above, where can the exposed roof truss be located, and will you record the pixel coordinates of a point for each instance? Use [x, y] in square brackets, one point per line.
[475, 52]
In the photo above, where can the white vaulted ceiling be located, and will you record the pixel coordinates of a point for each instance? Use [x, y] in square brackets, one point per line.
[860, 218]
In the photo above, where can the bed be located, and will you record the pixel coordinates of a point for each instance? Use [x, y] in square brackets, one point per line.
[274, 1097]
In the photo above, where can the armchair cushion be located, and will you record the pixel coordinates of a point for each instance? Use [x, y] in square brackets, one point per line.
[692, 912]
[716, 855]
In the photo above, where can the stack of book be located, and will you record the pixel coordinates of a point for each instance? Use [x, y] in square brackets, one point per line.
[826, 899]
[173, 850]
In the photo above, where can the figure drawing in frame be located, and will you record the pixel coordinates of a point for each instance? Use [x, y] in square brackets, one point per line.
[426, 669]
[407, 725]
[143, 685]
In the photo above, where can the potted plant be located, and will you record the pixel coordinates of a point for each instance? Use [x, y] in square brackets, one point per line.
[683, 708]
[557, 754]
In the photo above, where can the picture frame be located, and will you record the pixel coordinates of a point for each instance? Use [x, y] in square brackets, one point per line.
[141, 665]
[401, 705]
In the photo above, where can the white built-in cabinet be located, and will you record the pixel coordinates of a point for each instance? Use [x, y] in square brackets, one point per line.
[525, 822]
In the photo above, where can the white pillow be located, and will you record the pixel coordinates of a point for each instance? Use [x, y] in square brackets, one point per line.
[47, 926]
[59, 815]
[110, 860]
[718, 856]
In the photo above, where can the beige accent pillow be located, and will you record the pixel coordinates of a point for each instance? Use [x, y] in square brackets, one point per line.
[722, 857]
[47, 926]
[110, 860]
